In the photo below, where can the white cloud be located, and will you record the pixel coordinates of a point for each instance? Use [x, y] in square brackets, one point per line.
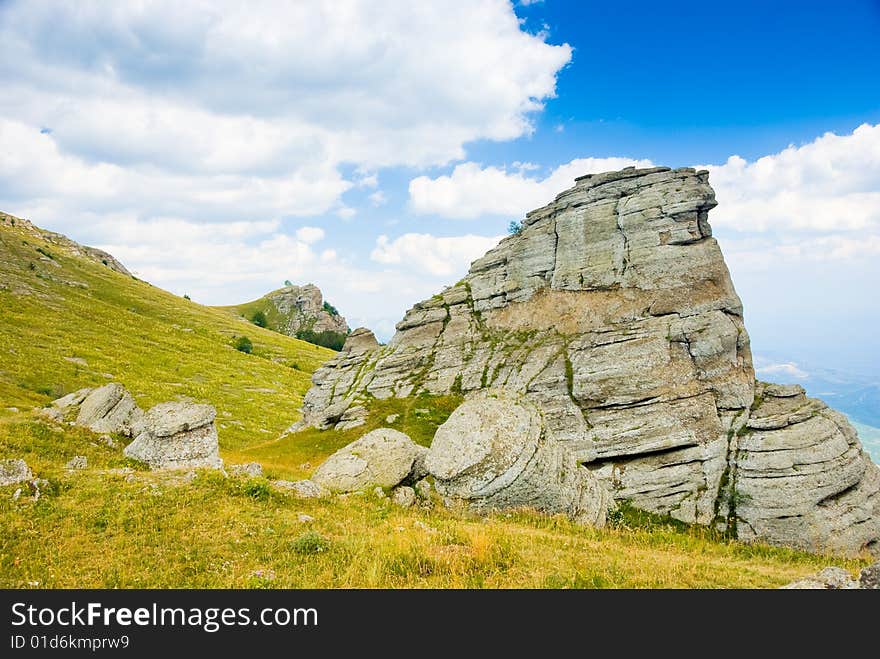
[831, 184]
[433, 255]
[346, 212]
[472, 191]
[786, 370]
[310, 235]
[227, 88]
[378, 198]
[760, 252]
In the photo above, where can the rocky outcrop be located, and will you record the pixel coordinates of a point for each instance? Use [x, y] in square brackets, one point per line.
[836, 578]
[612, 311]
[294, 310]
[106, 409]
[802, 478]
[177, 435]
[493, 453]
[381, 458]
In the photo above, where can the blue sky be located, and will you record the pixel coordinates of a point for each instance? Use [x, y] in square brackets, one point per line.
[376, 148]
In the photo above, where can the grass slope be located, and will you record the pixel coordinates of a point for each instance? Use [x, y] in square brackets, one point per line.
[275, 320]
[67, 322]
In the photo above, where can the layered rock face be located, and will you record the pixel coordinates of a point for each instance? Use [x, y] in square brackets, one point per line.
[303, 308]
[613, 312]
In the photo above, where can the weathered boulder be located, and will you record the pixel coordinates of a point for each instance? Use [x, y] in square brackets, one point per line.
[305, 489]
[14, 471]
[493, 453]
[613, 312]
[802, 479]
[830, 578]
[403, 496]
[71, 400]
[108, 409]
[383, 457]
[178, 435]
[869, 577]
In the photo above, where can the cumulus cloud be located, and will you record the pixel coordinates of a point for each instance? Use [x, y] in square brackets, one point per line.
[229, 101]
[831, 184]
[310, 235]
[430, 254]
[472, 191]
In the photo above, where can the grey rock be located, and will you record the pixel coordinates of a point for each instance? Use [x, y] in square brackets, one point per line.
[379, 493]
[169, 419]
[305, 519]
[383, 457]
[52, 414]
[108, 441]
[248, 470]
[110, 409]
[614, 314]
[830, 578]
[77, 462]
[305, 489]
[177, 436]
[72, 399]
[802, 479]
[493, 453]
[352, 417]
[302, 307]
[14, 471]
[391, 418]
[403, 496]
[423, 489]
[869, 578]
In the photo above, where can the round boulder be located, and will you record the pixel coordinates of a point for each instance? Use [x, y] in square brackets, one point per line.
[493, 453]
[383, 458]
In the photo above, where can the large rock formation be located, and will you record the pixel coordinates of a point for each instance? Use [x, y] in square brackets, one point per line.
[613, 311]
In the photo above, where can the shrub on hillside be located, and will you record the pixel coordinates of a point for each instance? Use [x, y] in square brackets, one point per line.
[327, 338]
[259, 319]
[329, 308]
[243, 344]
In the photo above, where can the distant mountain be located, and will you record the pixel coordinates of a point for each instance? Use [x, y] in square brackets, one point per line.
[298, 311]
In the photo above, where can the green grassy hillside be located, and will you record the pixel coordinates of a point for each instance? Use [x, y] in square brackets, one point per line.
[67, 322]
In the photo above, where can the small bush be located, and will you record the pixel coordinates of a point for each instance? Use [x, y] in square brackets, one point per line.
[329, 308]
[259, 319]
[310, 542]
[243, 344]
[327, 338]
[287, 282]
[186, 297]
[514, 228]
[257, 489]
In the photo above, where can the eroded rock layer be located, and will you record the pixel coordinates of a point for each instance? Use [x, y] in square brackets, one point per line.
[613, 311]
